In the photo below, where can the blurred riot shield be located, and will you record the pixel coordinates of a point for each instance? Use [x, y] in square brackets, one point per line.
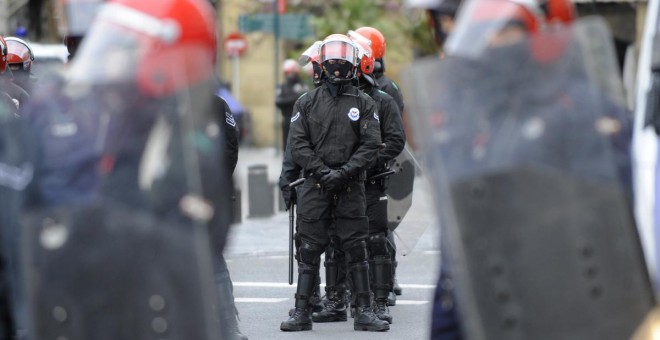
[131, 201]
[528, 157]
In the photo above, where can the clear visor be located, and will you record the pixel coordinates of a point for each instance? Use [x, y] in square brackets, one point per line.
[485, 24]
[19, 50]
[310, 53]
[117, 46]
[341, 50]
[363, 44]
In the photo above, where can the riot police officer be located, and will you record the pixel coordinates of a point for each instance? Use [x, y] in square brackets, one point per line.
[387, 85]
[379, 46]
[334, 135]
[380, 261]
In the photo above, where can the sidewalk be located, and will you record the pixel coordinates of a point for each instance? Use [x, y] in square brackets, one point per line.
[269, 235]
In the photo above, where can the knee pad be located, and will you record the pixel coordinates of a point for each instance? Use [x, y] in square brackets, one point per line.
[378, 245]
[356, 252]
[309, 253]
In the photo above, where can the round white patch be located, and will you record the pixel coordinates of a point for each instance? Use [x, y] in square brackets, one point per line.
[354, 114]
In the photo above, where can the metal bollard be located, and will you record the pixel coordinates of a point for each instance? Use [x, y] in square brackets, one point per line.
[260, 192]
[237, 206]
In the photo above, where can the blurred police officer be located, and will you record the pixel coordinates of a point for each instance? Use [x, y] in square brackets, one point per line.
[287, 94]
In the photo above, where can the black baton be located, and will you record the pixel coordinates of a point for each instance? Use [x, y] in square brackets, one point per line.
[292, 186]
[381, 175]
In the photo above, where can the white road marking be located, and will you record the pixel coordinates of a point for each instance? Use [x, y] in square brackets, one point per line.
[286, 285]
[279, 300]
[261, 300]
[411, 302]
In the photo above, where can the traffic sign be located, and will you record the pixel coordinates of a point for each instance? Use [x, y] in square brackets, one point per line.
[291, 26]
[235, 44]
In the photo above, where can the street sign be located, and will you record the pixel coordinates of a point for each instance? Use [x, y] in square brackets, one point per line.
[291, 26]
[235, 44]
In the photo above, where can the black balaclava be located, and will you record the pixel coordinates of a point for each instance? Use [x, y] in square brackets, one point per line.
[379, 67]
[336, 75]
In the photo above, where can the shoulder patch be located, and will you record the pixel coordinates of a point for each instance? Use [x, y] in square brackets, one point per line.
[230, 119]
[354, 114]
[295, 117]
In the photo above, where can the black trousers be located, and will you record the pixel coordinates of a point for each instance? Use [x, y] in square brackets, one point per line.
[318, 210]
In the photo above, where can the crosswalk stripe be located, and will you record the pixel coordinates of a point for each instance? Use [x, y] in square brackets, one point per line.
[278, 300]
[286, 285]
[260, 300]
[411, 302]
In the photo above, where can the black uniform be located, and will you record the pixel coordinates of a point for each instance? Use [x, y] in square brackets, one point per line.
[381, 251]
[335, 129]
[287, 94]
[388, 86]
[226, 307]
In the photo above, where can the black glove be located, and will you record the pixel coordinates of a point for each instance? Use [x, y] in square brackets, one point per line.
[334, 180]
[289, 196]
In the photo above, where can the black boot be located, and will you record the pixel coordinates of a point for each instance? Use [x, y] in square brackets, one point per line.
[391, 299]
[382, 311]
[230, 330]
[227, 312]
[365, 318]
[381, 273]
[334, 310]
[316, 302]
[396, 287]
[300, 319]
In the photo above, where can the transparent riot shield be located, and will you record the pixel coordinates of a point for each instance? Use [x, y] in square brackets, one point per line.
[399, 201]
[528, 157]
[130, 201]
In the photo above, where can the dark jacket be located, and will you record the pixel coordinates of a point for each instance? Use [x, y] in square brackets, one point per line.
[334, 132]
[229, 129]
[391, 130]
[390, 87]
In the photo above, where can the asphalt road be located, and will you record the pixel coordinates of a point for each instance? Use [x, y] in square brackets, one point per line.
[257, 255]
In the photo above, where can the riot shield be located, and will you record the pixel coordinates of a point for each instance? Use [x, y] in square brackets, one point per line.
[131, 200]
[399, 189]
[528, 160]
[399, 201]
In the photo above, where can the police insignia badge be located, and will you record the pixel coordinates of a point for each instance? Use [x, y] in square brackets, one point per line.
[354, 114]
